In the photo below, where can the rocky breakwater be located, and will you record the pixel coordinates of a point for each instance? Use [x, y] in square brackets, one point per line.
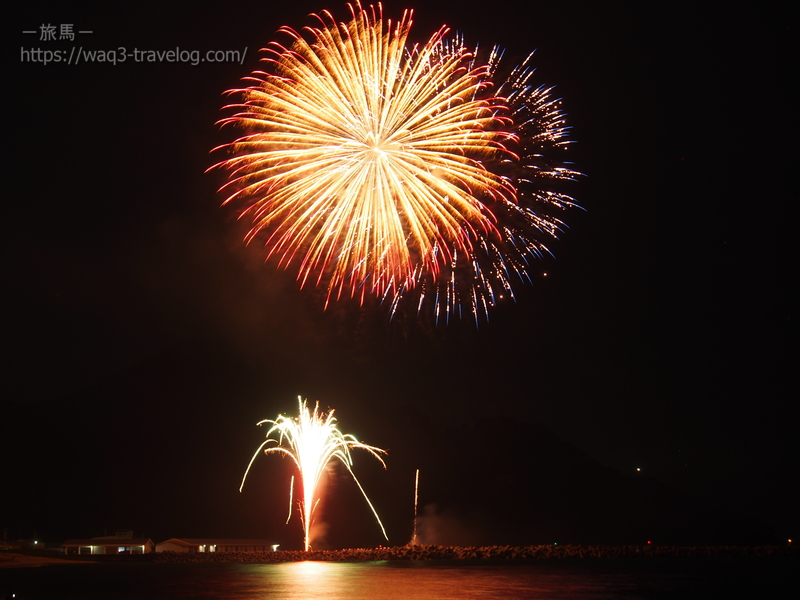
[476, 553]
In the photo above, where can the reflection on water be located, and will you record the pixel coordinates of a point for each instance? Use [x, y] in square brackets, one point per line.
[354, 581]
[332, 581]
[545, 580]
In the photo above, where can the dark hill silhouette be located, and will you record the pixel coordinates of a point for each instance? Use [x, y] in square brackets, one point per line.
[508, 482]
[161, 447]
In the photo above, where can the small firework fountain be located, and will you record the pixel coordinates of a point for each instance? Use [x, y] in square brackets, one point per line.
[312, 440]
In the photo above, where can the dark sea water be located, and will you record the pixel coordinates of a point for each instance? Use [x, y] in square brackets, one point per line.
[429, 580]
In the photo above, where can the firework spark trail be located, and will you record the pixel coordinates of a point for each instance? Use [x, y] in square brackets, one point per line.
[380, 167]
[313, 440]
[414, 541]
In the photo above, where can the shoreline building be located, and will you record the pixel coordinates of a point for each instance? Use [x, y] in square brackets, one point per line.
[121, 542]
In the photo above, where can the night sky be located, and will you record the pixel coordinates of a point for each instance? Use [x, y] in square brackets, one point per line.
[144, 340]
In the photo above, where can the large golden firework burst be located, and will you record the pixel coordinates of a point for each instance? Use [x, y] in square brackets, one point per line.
[367, 164]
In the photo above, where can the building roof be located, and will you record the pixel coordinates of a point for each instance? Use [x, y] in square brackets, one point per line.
[109, 542]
